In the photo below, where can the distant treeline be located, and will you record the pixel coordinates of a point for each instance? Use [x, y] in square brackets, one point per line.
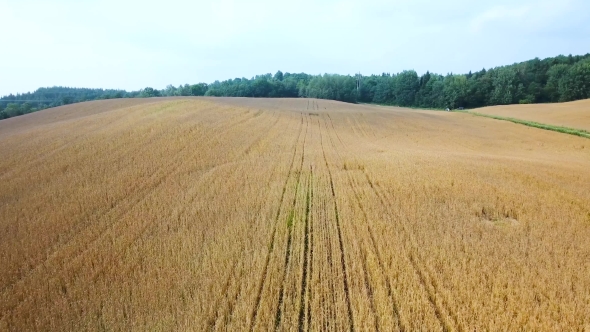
[557, 79]
[42, 98]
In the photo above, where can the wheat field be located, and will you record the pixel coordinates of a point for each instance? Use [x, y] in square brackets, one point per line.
[289, 214]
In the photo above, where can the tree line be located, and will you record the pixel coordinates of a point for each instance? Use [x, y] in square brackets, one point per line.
[42, 98]
[556, 79]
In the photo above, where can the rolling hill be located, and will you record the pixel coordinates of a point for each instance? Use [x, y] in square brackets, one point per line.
[193, 213]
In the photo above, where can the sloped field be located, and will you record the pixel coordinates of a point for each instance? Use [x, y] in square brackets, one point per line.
[575, 114]
[289, 214]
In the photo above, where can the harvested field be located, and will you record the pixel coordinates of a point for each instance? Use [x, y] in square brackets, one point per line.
[289, 214]
[575, 114]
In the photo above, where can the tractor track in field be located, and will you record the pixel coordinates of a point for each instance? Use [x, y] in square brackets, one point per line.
[273, 235]
[369, 289]
[306, 253]
[390, 294]
[430, 293]
[420, 274]
[290, 225]
[367, 282]
[310, 258]
[330, 259]
[395, 305]
[239, 290]
[438, 311]
[334, 129]
[211, 322]
[425, 278]
[340, 242]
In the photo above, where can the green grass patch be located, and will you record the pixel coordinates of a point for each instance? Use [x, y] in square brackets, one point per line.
[559, 129]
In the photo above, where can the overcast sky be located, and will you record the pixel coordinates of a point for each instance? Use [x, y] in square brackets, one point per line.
[134, 44]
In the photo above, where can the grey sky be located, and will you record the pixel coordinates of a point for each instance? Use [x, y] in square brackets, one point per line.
[134, 44]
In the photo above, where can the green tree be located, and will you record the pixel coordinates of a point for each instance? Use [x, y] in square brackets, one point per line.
[575, 83]
[183, 90]
[383, 90]
[12, 109]
[65, 100]
[555, 78]
[367, 89]
[455, 91]
[26, 108]
[170, 90]
[505, 89]
[149, 92]
[198, 89]
[261, 87]
[406, 84]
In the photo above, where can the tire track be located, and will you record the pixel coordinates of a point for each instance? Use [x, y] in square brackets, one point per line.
[334, 129]
[272, 240]
[431, 297]
[340, 242]
[392, 298]
[240, 284]
[369, 289]
[430, 293]
[211, 322]
[424, 277]
[279, 310]
[367, 283]
[310, 259]
[306, 254]
[331, 315]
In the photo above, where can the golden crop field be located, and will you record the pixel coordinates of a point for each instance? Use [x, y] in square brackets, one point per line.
[574, 114]
[289, 214]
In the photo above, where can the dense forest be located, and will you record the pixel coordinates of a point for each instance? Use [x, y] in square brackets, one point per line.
[557, 79]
